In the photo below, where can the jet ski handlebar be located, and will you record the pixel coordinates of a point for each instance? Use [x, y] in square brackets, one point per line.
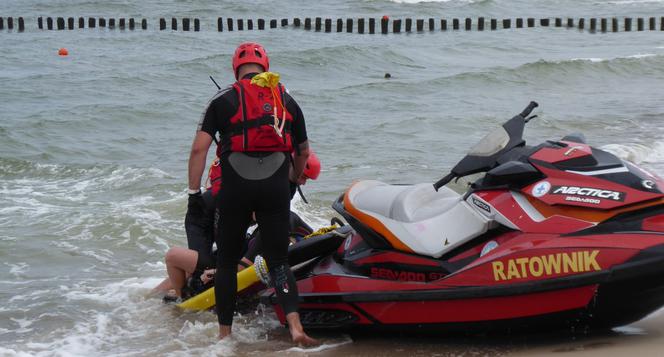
[442, 182]
[529, 108]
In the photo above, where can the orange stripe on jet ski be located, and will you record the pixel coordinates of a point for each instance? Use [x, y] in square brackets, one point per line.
[587, 214]
[374, 223]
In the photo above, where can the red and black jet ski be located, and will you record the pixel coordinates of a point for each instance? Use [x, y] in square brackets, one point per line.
[554, 236]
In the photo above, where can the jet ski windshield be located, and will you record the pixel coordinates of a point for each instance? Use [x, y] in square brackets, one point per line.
[483, 156]
[491, 144]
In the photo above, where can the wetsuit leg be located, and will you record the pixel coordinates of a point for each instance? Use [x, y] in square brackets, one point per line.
[235, 212]
[272, 215]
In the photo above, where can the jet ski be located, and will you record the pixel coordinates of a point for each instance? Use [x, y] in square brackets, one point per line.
[559, 235]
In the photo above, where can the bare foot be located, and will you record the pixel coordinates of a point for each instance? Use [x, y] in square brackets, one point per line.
[302, 339]
[224, 331]
[297, 331]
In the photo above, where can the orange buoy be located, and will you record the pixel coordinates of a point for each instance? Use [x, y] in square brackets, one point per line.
[63, 52]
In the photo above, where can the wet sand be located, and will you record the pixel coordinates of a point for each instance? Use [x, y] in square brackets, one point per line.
[644, 338]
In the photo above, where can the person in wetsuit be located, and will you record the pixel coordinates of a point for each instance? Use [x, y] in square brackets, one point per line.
[259, 124]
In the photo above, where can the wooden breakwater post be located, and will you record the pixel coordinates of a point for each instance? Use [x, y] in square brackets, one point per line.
[81, 23]
[21, 24]
[328, 25]
[92, 22]
[494, 24]
[297, 22]
[409, 24]
[349, 25]
[70, 23]
[384, 25]
[340, 25]
[318, 24]
[443, 25]
[111, 23]
[581, 23]
[396, 26]
[603, 24]
[284, 22]
[469, 24]
[640, 24]
[432, 24]
[261, 24]
[122, 23]
[628, 24]
[360, 25]
[507, 23]
[61, 23]
[250, 24]
[455, 24]
[559, 22]
[531, 22]
[614, 24]
[420, 25]
[593, 24]
[40, 23]
[570, 22]
[545, 22]
[185, 24]
[652, 24]
[519, 23]
[307, 23]
[372, 25]
[480, 24]
[49, 23]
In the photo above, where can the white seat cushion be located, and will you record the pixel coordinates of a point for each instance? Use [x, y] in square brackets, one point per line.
[415, 218]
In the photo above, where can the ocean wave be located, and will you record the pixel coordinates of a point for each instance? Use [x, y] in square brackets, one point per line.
[638, 153]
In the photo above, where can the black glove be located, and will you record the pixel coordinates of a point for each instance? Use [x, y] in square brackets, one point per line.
[195, 208]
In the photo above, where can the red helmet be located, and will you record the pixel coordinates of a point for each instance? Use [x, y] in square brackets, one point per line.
[312, 167]
[250, 52]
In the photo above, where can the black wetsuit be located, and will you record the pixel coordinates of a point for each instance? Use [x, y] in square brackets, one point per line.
[199, 227]
[268, 197]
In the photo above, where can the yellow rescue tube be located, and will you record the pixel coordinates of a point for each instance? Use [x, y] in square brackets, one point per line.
[205, 300]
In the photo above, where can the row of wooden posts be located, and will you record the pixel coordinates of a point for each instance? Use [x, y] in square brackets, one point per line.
[360, 25]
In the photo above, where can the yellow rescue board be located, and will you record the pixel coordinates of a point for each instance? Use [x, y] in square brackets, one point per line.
[205, 300]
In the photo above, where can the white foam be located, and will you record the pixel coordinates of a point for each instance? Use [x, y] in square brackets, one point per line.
[630, 330]
[7, 352]
[638, 153]
[17, 269]
[644, 55]
[591, 59]
[323, 347]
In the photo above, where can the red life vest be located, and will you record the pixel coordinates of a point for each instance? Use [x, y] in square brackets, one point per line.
[254, 126]
[214, 177]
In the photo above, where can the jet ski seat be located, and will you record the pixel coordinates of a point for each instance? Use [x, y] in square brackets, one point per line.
[415, 218]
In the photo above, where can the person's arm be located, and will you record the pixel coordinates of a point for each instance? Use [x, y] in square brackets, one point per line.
[298, 163]
[299, 132]
[197, 157]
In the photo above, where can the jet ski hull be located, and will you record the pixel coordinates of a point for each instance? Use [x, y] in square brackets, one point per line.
[333, 298]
